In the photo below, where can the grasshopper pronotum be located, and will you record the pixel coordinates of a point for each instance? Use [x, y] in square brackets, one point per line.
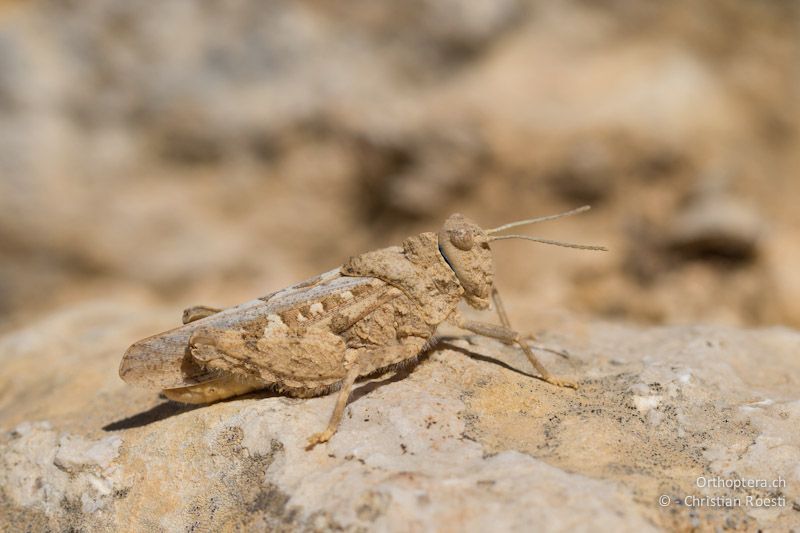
[377, 311]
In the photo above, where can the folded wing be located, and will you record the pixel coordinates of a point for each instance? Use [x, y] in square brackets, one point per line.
[163, 361]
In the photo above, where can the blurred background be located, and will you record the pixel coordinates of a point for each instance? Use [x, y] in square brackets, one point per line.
[178, 152]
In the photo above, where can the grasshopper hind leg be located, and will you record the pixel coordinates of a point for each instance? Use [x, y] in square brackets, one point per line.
[221, 388]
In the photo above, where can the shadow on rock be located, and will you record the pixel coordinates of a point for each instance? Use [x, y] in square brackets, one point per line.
[169, 409]
[443, 344]
[370, 386]
[157, 413]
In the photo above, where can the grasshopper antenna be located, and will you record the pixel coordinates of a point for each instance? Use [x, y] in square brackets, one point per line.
[538, 219]
[548, 241]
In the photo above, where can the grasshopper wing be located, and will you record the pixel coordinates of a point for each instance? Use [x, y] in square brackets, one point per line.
[164, 361]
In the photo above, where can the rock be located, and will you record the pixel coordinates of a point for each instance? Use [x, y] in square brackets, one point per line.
[717, 226]
[586, 172]
[65, 475]
[466, 440]
[413, 174]
[75, 453]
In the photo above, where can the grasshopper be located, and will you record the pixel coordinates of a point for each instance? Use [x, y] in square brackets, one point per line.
[376, 312]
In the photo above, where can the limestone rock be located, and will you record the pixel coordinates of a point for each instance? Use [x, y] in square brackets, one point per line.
[467, 440]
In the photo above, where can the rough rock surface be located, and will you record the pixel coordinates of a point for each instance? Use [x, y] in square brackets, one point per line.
[464, 441]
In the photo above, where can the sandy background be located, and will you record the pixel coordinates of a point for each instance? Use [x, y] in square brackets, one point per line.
[184, 153]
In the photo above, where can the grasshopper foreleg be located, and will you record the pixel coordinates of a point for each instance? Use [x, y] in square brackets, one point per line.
[509, 336]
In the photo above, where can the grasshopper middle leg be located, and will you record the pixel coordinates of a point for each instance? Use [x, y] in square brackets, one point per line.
[338, 411]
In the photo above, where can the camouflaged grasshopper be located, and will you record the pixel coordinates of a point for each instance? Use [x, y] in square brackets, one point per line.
[377, 311]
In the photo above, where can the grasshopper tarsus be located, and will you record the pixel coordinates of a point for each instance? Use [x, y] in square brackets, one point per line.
[318, 438]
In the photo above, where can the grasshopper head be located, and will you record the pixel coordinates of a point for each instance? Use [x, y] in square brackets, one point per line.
[465, 247]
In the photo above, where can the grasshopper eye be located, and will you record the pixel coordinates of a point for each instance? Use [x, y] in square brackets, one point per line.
[462, 239]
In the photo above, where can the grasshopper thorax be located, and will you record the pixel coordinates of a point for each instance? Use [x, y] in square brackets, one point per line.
[465, 247]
